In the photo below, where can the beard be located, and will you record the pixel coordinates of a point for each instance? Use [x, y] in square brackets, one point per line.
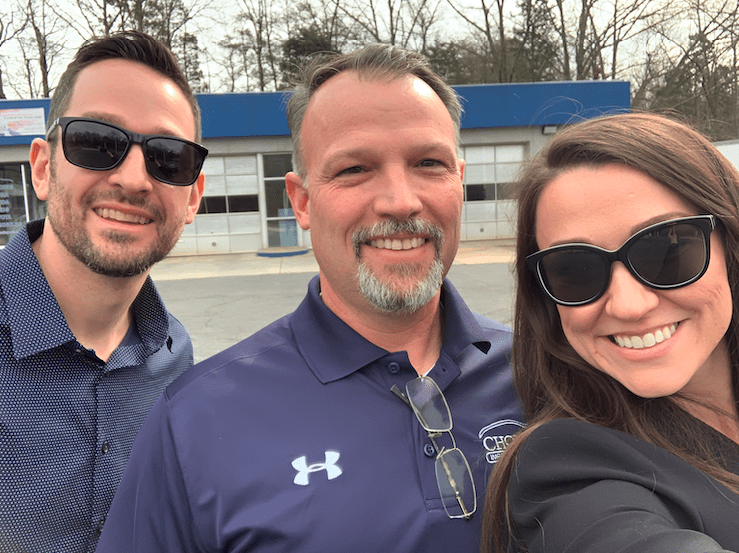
[414, 294]
[115, 260]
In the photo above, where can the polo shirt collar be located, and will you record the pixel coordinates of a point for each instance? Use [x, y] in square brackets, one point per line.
[35, 319]
[333, 350]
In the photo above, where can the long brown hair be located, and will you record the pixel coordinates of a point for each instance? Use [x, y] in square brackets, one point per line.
[552, 380]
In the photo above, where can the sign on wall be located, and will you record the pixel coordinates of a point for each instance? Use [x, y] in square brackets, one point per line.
[22, 121]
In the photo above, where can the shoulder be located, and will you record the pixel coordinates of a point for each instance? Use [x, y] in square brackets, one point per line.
[269, 347]
[493, 327]
[581, 487]
[572, 443]
[565, 456]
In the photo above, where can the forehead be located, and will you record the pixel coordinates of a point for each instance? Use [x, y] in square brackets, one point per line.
[351, 109]
[133, 95]
[603, 206]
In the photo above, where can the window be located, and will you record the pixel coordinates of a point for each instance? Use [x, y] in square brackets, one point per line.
[490, 171]
[230, 185]
[16, 192]
[282, 228]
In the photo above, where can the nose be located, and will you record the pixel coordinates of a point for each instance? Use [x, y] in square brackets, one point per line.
[131, 174]
[398, 195]
[626, 297]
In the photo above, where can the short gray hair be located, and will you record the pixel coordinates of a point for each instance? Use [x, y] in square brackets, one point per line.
[376, 62]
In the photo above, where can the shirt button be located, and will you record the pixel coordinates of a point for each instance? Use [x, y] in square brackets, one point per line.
[429, 450]
[393, 367]
[105, 448]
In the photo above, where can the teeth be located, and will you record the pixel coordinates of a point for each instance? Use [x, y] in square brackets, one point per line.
[116, 215]
[397, 244]
[648, 340]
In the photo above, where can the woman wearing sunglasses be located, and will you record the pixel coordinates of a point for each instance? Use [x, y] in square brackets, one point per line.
[626, 346]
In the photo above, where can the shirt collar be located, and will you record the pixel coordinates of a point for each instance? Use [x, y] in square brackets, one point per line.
[35, 319]
[333, 350]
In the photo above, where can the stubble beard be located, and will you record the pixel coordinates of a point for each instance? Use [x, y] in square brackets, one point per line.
[389, 298]
[71, 232]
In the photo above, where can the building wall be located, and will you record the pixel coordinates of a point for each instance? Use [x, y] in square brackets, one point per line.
[245, 207]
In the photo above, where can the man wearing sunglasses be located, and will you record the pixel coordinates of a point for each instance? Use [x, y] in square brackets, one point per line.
[370, 418]
[86, 345]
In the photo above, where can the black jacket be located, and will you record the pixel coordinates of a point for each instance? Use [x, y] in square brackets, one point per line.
[581, 488]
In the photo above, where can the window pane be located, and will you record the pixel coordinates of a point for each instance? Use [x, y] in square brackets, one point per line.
[479, 174]
[276, 196]
[479, 154]
[242, 203]
[213, 166]
[479, 192]
[213, 204]
[507, 172]
[12, 204]
[241, 165]
[277, 165]
[509, 153]
[282, 233]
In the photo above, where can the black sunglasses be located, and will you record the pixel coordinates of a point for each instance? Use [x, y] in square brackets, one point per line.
[101, 146]
[667, 255]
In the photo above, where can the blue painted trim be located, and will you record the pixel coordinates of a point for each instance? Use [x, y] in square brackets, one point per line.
[256, 114]
[289, 253]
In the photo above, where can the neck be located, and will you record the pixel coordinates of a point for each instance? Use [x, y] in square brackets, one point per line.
[420, 334]
[98, 308]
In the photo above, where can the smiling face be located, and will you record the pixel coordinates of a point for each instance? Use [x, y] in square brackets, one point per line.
[118, 222]
[383, 197]
[654, 342]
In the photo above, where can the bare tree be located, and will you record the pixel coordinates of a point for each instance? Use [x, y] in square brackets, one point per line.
[12, 23]
[41, 47]
[257, 22]
[405, 23]
[490, 22]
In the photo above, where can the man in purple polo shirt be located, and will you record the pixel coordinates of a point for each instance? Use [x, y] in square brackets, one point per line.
[331, 429]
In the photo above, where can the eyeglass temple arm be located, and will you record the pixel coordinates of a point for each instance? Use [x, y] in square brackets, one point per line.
[394, 389]
[453, 482]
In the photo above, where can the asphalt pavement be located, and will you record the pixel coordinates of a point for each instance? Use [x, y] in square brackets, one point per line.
[222, 299]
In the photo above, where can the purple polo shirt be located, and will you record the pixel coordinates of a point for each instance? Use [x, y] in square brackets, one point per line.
[291, 440]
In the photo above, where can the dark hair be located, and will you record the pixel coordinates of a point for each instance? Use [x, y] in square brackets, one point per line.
[551, 378]
[375, 61]
[125, 45]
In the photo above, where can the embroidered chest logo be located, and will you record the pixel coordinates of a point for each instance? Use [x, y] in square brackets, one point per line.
[304, 469]
[496, 437]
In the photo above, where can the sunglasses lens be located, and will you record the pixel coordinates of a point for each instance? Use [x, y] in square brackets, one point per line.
[173, 161]
[94, 145]
[669, 256]
[573, 275]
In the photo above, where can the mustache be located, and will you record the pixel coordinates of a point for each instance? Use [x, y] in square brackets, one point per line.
[391, 227]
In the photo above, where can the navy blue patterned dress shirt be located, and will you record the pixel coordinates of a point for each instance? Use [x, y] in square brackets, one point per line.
[68, 419]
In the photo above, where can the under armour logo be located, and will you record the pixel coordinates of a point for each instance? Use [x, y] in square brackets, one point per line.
[301, 465]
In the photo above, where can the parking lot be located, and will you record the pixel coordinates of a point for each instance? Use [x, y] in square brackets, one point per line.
[222, 299]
